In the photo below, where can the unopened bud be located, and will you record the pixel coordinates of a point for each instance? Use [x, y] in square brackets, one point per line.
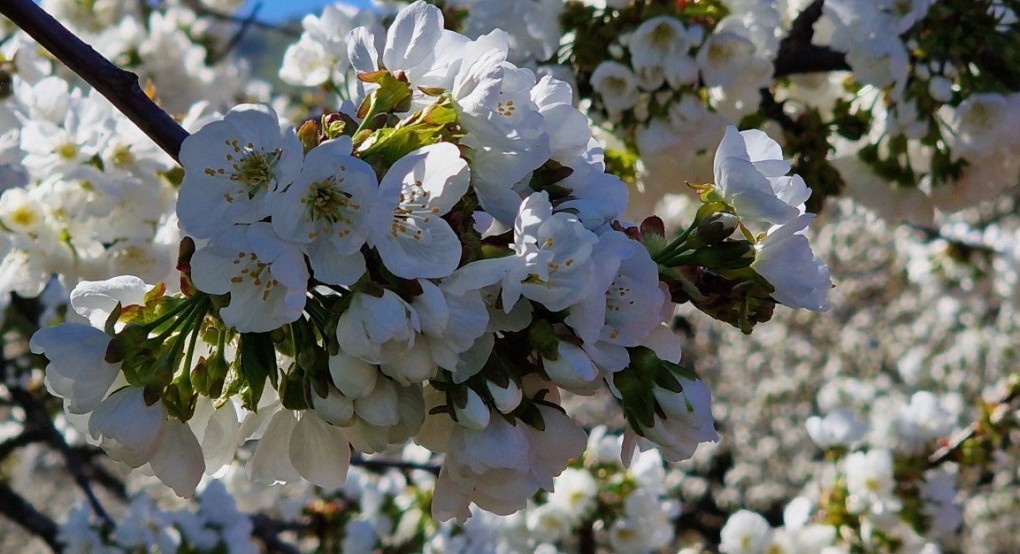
[506, 398]
[380, 407]
[308, 134]
[335, 408]
[653, 225]
[736, 254]
[717, 227]
[352, 376]
[474, 414]
[572, 368]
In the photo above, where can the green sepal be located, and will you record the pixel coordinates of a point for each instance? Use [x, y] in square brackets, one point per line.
[531, 416]
[111, 321]
[393, 94]
[257, 361]
[292, 390]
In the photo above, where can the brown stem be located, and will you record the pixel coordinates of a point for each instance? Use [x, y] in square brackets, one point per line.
[118, 86]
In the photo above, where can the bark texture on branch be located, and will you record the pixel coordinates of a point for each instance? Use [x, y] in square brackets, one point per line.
[118, 86]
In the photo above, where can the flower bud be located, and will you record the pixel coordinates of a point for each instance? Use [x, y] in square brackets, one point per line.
[335, 408]
[572, 367]
[380, 407]
[506, 398]
[353, 377]
[474, 414]
[717, 227]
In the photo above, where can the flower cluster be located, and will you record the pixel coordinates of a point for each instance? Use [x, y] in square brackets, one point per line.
[216, 526]
[675, 76]
[667, 77]
[878, 492]
[933, 122]
[438, 264]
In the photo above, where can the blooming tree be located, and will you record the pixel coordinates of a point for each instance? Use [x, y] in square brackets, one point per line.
[400, 287]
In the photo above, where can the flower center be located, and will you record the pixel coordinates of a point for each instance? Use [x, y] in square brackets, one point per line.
[506, 109]
[616, 85]
[326, 201]
[251, 167]
[122, 157]
[67, 151]
[23, 216]
[662, 36]
[412, 213]
[256, 272]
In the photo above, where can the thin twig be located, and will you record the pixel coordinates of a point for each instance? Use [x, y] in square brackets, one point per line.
[236, 39]
[25, 438]
[20, 511]
[100, 474]
[201, 9]
[118, 86]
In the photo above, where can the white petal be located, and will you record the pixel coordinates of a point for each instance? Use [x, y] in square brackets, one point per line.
[320, 451]
[179, 462]
[271, 461]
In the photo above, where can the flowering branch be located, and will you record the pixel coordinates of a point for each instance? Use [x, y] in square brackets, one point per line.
[118, 86]
[951, 451]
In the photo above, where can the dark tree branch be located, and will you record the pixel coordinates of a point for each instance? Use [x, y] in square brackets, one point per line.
[118, 86]
[384, 465]
[773, 109]
[20, 511]
[799, 58]
[25, 438]
[798, 55]
[37, 417]
[803, 27]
